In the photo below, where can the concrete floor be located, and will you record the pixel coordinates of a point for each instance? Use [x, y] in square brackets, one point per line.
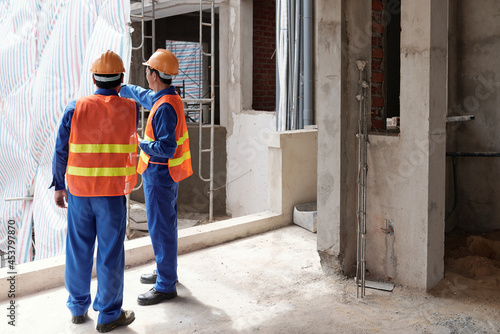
[269, 283]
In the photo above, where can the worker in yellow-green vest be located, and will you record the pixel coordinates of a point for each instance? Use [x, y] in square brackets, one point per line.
[164, 161]
[96, 149]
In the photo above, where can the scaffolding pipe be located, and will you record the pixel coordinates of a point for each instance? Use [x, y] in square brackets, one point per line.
[153, 27]
[141, 46]
[26, 198]
[142, 27]
[211, 100]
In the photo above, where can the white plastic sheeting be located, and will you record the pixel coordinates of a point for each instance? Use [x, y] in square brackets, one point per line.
[46, 50]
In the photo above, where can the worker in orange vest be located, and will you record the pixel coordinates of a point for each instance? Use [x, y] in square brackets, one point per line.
[164, 161]
[96, 148]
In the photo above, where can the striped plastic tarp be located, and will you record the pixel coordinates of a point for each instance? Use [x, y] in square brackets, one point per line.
[45, 56]
[190, 73]
[189, 56]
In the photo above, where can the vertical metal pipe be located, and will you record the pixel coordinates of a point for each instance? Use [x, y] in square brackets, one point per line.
[295, 71]
[282, 64]
[362, 178]
[278, 24]
[291, 46]
[308, 62]
[300, 116]
[212, 113]
[153, 30]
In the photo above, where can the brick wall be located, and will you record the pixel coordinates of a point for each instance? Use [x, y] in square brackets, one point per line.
[264, 58]
[377, 81]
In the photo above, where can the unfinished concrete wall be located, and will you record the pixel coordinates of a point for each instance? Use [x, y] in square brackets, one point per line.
[407, 172]
[292, 166]
[477, 46]
[341, 39]
[247, 171]
[193, 191]
[246, 143]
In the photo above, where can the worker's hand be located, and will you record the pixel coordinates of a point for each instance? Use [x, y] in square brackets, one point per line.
[61, 198]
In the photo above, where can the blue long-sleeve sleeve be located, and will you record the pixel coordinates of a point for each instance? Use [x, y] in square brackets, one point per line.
[60, 159]
[164, 121]
[139, 94]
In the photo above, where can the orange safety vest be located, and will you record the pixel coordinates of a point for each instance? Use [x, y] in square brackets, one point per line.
[102, 147]
[179, 165]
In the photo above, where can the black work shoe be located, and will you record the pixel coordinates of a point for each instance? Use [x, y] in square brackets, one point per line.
[149, 278]
[79, 319]
[154, 297]
[125, 319]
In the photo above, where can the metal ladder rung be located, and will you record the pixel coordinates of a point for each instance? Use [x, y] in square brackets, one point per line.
[197, 100]
[141, 16]
[206, 150]
[207, 24]
[206, 54]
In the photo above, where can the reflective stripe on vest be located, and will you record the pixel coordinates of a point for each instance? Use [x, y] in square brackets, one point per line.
[180, 164]
[102, 147]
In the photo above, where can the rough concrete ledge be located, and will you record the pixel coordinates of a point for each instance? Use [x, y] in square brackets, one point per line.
[44, 274]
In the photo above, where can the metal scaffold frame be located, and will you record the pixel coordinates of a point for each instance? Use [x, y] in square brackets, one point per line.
[142, 127]
[207, 101]
[201, 101]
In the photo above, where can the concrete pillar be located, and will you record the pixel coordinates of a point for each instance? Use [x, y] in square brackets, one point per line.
[328, 74]
[343, 35]
[235, 64]
[423, 100]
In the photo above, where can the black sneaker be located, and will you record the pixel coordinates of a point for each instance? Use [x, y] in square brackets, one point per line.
[154, 297]
[79, 319]
[125, 319]
[149, 278]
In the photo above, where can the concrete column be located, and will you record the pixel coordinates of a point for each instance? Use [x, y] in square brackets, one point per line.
[343, 35]
[236, 33]
[423, 99]
[328, 105]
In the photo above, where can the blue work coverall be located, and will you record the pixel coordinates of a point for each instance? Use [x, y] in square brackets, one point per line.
[160, 190]
[103, 217]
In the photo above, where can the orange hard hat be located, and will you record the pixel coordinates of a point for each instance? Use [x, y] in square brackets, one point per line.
[108, 63]
[164, 61]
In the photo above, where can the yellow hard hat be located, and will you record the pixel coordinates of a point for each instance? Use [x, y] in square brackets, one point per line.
[108, 63]
[165, 62]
